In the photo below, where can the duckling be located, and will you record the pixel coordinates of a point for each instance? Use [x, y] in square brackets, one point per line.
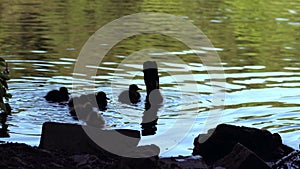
[71, 103]
[101, 100]
[88, 115]
[60, 95]
[130, 96]
[80, 112]
[134, 95]
[80, 100]
[74, 110]
[95, 120]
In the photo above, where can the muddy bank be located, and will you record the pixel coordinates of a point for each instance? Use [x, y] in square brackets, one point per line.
[15, 155]
[229, 147]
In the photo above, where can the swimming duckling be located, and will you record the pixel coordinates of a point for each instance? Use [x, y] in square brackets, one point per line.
[94, 119]
[101, 100]
[134, 95]
[88, 115]
[80, 112]
[80, 100]
[60, 95]
[130, 96]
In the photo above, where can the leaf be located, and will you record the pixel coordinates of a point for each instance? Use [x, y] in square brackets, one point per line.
[7, 96]
[8, 109]
[3, 82]
[1, 59]
[4, 77]
[2, 106]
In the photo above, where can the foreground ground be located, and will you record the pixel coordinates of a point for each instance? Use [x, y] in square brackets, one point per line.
[15, 155]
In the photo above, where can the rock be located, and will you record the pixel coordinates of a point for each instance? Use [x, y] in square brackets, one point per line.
[144, 151]
[15, 155]
[291, 161]
[182, 162]
[267, 146]
[19, 162]
[55, 165]
[77, 138]
[241, 158]
[24, 156]
[138, 163]
[85, 160]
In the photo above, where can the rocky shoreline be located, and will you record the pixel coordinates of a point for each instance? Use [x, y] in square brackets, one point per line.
[240, 151]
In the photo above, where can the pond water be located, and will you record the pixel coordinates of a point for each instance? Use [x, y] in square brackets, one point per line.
[258, 43]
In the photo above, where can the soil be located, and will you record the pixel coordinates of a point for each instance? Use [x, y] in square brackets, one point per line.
[22, 156]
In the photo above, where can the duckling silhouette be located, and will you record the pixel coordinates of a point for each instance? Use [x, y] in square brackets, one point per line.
[95, 120]
[101, 100]
[80, 100]
[60, 95]
[87, 114]
[130, 96]
[80, 110]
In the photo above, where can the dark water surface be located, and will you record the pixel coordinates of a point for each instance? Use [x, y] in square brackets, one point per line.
[258, 43]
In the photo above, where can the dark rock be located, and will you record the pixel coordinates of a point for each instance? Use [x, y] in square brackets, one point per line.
[73, 138]
[241, 158]
[85, 160]
[267, 146]
[182, 162]
[19, 162]
[291, 161]
[15, 155]
[138, 163]
[55, 165]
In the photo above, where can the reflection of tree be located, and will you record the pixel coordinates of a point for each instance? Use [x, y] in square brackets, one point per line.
[27, 31]
[31, 34]
[26, 36]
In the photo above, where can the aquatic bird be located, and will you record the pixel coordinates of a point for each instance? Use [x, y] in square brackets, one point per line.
[130, 96]
[80, 101]
[71, 103]
[98, 99]
[95, 120]
[60, 95]
[87, 114]
[101, 100]
[81, 111]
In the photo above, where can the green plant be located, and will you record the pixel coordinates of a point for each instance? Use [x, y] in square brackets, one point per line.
[5, 108]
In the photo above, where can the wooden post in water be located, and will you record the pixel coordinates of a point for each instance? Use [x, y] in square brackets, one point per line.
[153, 100]
[150, 77]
